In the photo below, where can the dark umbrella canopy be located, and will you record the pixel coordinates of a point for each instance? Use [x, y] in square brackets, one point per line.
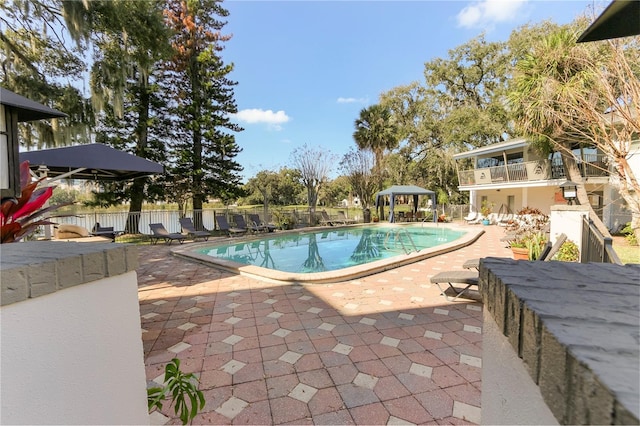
[91, 161]
[620, 19]
[394, 190]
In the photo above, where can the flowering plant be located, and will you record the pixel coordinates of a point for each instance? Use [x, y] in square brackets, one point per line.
[20, 218]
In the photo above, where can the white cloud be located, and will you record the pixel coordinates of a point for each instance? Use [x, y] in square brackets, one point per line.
[351, 100]
[255, 115]
[486, 13]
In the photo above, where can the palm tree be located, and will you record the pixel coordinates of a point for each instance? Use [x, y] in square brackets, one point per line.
[547, 80]
[377, 132]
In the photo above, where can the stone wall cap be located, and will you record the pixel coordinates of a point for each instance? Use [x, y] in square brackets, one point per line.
[592, 310]
[20, 263]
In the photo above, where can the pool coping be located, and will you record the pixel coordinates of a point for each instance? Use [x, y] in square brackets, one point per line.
[353, 272]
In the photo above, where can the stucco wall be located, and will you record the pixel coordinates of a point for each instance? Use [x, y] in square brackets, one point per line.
[74, 356]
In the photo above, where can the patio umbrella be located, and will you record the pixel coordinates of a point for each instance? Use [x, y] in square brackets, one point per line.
[91, 161]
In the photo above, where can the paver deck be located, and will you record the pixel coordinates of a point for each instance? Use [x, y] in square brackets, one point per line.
[383, 349]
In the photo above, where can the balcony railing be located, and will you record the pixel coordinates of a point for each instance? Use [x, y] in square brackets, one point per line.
[591, 166]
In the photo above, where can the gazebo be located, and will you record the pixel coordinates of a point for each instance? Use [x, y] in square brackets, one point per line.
[413, 190]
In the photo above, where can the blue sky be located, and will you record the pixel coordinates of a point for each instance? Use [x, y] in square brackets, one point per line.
[305, 69]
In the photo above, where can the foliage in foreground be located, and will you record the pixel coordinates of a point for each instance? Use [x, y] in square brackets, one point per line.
[180, 387]
[20, 218]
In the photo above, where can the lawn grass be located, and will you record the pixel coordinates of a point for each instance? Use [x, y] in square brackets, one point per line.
[628, 254]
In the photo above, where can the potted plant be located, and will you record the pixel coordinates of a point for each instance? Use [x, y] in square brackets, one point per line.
[528, 234]
[486, 208]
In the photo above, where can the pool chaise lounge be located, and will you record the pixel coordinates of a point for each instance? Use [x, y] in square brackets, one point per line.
[469, 277]
[159, 232]
[223, 225]
[187, 226]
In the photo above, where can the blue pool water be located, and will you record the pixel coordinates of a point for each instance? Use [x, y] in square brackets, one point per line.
[332, 249]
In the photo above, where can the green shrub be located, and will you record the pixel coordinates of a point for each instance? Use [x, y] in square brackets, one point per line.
[629, 234]
[568, 252]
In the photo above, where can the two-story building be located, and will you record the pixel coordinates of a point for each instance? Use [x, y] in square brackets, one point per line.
[511, 175]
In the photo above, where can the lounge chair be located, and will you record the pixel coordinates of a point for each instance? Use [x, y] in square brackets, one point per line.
[478, 219]
[223, 225]
[187, 226]
[325, 220]
[467, 278]
[264, 226]
[470, 278]
[105, 231]
[342, 217]
[471, 216]
[159, 232]
[242, 224]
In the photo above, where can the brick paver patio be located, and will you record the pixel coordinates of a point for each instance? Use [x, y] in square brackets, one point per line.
[383, 349]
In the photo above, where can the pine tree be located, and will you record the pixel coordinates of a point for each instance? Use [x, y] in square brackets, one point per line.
[204, 98]
[131, 41]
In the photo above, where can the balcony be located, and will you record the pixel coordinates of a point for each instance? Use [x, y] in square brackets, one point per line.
[591, 166]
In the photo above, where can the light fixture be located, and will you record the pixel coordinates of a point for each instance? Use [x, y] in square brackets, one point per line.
[15, 109]
[9, 169]
[569, 191]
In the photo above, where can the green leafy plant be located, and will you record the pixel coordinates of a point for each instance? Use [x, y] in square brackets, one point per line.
[535, 244]
[181, 388]
[629, 235]
[486, 208]
[568, 252]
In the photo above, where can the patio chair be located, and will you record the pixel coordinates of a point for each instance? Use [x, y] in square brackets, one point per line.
[325, 220]
[242, 224]
[187, 226]
[471, 216]
[467, 278]
[264, 226]
[342, 217]
[105, 231]
[470, 278]
[223, 225]
[478, 219]
[159, 232]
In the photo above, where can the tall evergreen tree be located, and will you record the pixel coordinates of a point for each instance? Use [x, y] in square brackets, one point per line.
[130, 40]
[203, 99]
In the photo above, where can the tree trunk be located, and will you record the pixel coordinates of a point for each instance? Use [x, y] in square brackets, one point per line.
[137, 197]
[142, 132]
[573, 173]
[198, 190]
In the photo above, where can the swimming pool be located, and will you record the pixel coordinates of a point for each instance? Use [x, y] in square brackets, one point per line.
[330, 254]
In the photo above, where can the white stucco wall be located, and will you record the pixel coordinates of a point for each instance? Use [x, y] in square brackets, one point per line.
[74, 356]
[568, 220]
[509, 395]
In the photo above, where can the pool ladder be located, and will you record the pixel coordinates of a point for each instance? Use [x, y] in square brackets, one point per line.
[397, 236]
